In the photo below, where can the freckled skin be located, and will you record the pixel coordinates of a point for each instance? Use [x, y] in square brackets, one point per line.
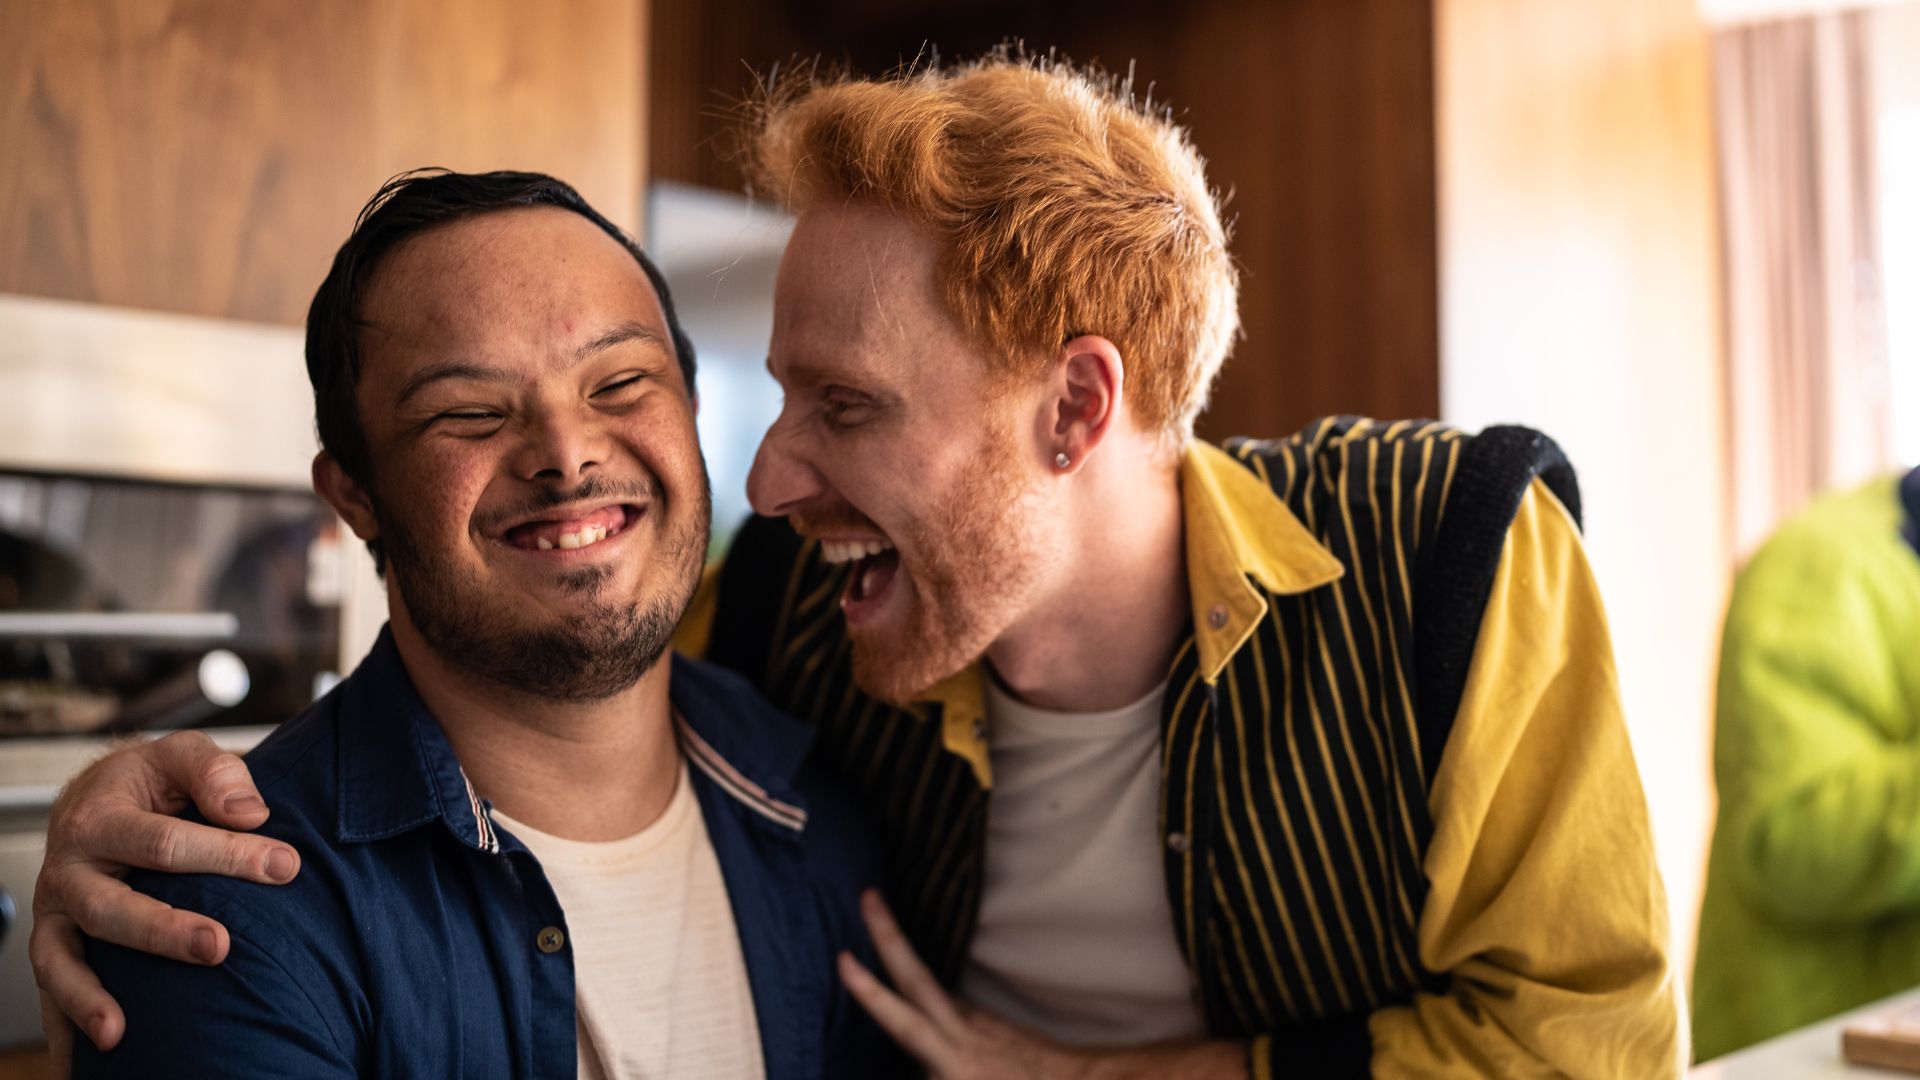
[894, 422]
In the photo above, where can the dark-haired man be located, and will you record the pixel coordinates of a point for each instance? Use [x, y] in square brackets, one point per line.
[530, 845]
[1301, 757]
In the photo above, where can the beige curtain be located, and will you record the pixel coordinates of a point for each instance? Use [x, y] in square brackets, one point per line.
[1807, 381]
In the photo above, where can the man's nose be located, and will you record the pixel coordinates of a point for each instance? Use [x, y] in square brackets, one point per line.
[561, 447]
[781, 481]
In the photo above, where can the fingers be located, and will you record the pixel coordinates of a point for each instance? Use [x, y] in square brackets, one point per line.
[903, 964]
[53, 1024]
[69, 989]
[113, 814]
[127, 836]
[107, 908]
[907, 1025]
[217, 781]
[142, 775]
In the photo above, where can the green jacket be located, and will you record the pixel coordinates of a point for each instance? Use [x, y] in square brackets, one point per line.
[1813, 888]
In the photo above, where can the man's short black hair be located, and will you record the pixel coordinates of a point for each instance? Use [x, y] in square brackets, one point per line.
[405, 206]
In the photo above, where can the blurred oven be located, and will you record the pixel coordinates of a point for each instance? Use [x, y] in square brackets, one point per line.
[133, 605]
[164, 563]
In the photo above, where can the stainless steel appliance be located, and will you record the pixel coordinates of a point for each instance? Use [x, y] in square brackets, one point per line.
[135, 605]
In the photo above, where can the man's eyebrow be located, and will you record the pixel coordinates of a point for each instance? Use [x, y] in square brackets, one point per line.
[805, 373]
[449, 369]
[466, 369]
[625, 332]
[808, 375]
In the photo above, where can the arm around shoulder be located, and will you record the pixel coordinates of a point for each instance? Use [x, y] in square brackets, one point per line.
[250, 1016]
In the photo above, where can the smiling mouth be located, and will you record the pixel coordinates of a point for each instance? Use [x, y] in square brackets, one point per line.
[875, 564]
[570, 534]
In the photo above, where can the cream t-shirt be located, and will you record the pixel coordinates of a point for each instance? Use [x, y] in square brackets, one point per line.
[1076, 938]
[660, 985]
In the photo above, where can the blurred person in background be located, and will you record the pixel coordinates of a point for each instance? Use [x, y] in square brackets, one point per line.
[1813, 886]
[1300, 756]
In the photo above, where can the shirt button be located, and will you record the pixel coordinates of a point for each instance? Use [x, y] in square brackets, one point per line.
[1217, 616]
[979, 731]
[550, 940]
[1179, 843]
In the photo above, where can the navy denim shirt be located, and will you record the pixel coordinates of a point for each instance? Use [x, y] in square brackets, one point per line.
[419, 940]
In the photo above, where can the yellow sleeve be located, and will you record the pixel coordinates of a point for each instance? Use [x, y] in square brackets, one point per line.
[695, 631]
[1545, 908]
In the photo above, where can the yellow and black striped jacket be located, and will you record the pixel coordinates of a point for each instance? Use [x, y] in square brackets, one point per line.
[1339, 579]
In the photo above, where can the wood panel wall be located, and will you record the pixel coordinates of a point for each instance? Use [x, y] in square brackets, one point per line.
[1317, 115]
[208, 156]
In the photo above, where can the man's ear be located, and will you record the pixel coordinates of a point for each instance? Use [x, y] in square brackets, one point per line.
[1084, 399]
[345, 495]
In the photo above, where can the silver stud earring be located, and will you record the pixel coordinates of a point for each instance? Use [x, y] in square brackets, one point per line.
[1062, 460]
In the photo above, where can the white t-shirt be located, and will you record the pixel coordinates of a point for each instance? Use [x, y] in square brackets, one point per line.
[660, 986]
[1076, 936]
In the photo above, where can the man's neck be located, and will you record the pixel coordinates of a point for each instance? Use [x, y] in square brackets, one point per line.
[601, 770]
[1106, 634]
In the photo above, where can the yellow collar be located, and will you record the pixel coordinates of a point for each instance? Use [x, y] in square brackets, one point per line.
[1236, 529]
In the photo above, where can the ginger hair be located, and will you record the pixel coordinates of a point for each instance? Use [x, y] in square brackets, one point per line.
[1062, 206]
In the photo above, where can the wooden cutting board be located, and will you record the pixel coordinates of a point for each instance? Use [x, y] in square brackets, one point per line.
[1888, 1041]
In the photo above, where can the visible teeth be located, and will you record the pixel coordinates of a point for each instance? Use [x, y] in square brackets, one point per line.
[840, 551]
[584, 536]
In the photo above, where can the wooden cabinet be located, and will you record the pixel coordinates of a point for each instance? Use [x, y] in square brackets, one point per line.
[208, 156]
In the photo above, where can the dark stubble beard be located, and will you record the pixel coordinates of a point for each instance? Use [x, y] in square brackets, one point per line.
[590, 656]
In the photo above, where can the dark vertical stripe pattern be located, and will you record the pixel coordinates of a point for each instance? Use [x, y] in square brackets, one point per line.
[1294, 802]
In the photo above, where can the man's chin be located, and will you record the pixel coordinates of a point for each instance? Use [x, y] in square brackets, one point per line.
[900, 669]
[609, 580]
[575, 662]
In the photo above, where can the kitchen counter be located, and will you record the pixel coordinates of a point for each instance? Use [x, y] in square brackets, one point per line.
[1811, 1053]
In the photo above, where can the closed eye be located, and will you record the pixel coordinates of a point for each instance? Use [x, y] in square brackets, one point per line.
[618, 385]
[842, 413]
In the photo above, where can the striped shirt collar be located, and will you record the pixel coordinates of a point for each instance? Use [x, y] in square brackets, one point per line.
[748, 748]
[1243, 542]
[398, 772]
